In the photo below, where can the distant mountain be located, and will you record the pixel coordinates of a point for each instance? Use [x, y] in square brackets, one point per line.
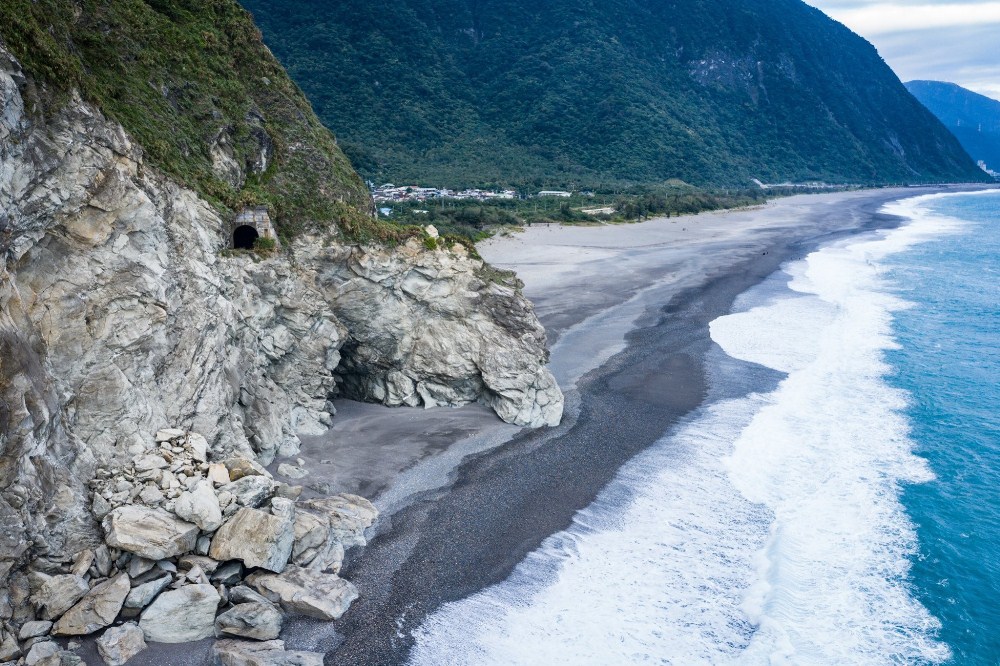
[973, 118]
[592, 92]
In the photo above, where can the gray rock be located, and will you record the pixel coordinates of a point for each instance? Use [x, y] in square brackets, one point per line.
[200, 506]
[41, 651]
[311, 533]
[82, 562]
[58, 593]
[256, 538]
[198, 446]
[33, 629]
[349, 516]
[9, 649]
[260, 621]
[320, 595]
[102, 560]
[167, 434]
[151, 533]
[240, 467]
[139, 565]
[206, 564]
[231, 652]
[149, 462]
[119, 644]
[142, 595]
[427, 329]
[151, 495]
[252, 491]
[218, 474]
[100, 507]
[229, 573]
[96, 610]
[292, 472]
[181, 616]
[241, 594]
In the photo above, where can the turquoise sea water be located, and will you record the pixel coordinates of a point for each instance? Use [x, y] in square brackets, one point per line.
[949, 362]
[844, 513]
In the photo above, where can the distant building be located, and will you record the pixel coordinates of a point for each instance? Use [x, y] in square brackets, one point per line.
[554, 193]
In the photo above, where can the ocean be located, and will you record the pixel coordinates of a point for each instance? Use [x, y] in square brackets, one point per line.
[833, 502]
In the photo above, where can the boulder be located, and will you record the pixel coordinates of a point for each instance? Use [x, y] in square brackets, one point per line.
[268, 653]
[257, 538]
[82, 562]
[34, 629]
[200, 506]
[139, 565]
[240, 467]
[252, 491]
[151, 533]
[260, 621]
[40, 652]
[199, 446]
[218, 474]
[291, 472]
[319, 595]
[206, 564]
[349, 516]
[9, 649]
[182, 615]
[142, 595]
[168, 434]
[58, 594]
[311, 533]
[149, 462]
[119, 644]
[96, 610]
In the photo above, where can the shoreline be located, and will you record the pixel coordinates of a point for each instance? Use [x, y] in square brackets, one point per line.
[451, 541]
[465, 497]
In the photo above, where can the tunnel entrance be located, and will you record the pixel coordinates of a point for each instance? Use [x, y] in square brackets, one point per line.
[244, 237]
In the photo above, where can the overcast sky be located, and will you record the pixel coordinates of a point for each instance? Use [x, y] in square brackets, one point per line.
[941, 40]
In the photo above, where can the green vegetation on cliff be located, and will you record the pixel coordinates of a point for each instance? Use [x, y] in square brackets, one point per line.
[194, 84]
[546, 93]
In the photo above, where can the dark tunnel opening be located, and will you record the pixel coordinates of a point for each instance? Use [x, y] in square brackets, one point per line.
[244, 237]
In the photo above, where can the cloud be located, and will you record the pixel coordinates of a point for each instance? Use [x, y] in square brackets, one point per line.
[886, 18]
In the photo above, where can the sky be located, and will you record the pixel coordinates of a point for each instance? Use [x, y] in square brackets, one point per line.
[940, 40]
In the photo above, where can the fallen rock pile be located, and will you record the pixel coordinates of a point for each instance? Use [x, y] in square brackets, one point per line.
[193, 549]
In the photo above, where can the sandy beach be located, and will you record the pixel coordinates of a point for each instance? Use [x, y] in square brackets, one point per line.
[627, 310]
[464, 497]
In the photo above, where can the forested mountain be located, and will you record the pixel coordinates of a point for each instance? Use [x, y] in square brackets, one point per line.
[592, 92]
[973, 118]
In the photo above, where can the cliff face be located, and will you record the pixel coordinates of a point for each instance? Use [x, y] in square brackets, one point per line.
[120, 314]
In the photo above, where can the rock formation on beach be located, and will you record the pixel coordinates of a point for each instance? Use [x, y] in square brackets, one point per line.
[191, 549]
[123, 311]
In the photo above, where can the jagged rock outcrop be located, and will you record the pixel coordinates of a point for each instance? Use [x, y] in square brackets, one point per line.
[120, 314]
[429, 328]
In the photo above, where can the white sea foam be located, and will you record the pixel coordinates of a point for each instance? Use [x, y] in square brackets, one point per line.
[765, 529]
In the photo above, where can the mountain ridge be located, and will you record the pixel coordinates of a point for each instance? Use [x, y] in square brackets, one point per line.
[606, 92]
[974, 119]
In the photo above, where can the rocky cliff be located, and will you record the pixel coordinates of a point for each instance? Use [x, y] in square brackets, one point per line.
[123, 312]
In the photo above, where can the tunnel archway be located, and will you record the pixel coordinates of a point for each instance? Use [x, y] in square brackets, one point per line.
[244, 237]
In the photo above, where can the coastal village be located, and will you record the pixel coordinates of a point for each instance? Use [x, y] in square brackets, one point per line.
[390, 193]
